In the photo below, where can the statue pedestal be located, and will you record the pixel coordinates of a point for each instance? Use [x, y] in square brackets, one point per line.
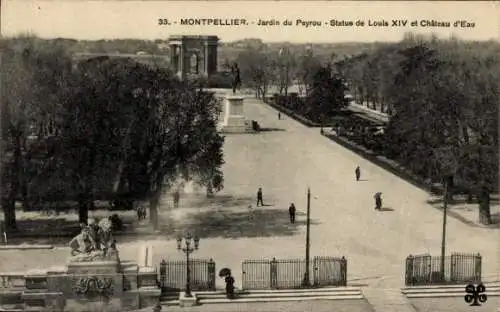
[234, 118]
[94, 267]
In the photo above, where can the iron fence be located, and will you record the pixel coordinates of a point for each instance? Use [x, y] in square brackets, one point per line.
[459, 268]
[330, 271]
[173, 274]
[290, 273]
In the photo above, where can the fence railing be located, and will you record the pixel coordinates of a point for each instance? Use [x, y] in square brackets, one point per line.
[173, 274]
[330, 271]
[290, 273]
[459, 268]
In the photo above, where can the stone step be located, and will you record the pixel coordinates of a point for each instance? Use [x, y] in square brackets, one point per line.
[281, 299]
[339, 293]
[299, 290]
[461, 286]
[444, 290]
[447, 295]
[281, 295]
[448, 291]
[271, 299]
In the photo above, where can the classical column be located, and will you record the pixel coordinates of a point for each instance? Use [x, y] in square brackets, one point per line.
[173, 57]
[205, 59]
[181, 60]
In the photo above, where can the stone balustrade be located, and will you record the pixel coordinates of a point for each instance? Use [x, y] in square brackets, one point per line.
[12, 280]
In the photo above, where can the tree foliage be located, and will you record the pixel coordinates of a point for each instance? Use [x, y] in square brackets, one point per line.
[444, 95]
[257, 68]
[102, 129]
[327, 95]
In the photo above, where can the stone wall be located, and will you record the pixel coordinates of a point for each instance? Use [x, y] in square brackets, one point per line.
[82, 287]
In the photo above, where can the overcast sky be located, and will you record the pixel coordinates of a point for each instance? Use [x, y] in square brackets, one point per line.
[139, 19]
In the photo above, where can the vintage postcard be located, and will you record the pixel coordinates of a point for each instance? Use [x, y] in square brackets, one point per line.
[249, 156]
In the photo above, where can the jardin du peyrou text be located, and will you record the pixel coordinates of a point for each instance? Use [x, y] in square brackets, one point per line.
[190, 21]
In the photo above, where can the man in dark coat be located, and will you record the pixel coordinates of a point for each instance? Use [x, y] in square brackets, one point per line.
[259, 197]
[378, 201]
[291, 212]
[358, 173]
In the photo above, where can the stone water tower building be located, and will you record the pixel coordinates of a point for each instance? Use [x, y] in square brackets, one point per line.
[193, 55]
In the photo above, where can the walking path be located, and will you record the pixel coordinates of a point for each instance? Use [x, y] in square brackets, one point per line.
[285, 162]
[465, 212]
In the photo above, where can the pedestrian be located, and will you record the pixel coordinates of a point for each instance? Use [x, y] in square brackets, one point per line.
[139, 213]
[259, 197]
[177, 197]
[279, 115]
[229, 286]
[358, 173]
[378, 200]
[291, 212]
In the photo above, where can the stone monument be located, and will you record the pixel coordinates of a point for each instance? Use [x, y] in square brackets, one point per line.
[234, 117]
[193, 55]
[95, 279]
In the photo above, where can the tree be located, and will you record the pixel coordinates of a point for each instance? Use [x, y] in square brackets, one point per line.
[286, 67]
[204, 167]
[29, 97]
[308, 65]
[257, 68]
[175, 136]
[443, 97]
[98, 116]
[327, 95]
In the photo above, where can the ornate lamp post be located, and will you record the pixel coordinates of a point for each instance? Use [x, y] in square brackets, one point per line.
[306, 281]
[447, 185]
[191, 244]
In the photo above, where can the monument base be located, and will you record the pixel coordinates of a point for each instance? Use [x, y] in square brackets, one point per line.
[234, 124]
[149, 296]
[234, 119]
[94, 267]
[187, 301]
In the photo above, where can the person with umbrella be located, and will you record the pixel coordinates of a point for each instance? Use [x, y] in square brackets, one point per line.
[229, 279]
[378, 200]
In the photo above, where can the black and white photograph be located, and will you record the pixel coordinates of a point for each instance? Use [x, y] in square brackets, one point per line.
[233, 156]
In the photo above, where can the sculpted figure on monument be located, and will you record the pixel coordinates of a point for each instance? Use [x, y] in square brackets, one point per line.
[236, 77]
[94, 243]
[83, 243]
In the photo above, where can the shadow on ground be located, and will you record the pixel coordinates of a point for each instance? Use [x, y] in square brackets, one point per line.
[386, 209]
[221, 201]
[224, 216]
[264, 222]
[264, 129]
